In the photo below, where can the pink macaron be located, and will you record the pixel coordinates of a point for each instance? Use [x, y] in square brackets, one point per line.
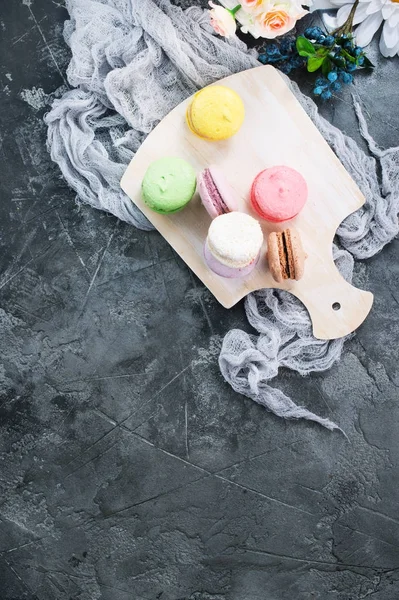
[216, 194]
[233, 245]
[278, 194]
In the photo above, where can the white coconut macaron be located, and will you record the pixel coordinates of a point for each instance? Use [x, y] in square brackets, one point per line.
[233, 245]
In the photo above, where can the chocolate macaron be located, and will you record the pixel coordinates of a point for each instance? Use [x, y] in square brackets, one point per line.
[285, 255]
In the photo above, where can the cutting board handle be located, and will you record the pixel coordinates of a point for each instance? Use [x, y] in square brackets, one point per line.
[335, 306]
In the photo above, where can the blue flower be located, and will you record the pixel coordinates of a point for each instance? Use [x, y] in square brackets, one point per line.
[297, 61]
[351, 67]
[329, 40]
[318, 90]
[358, 50]
[313, 33]
[326, 95]
[335, 86]
[346, 77]
[285, 68]
[332, 76]
[360, 60]
[286, 46]
[272, 50]
[320, 82]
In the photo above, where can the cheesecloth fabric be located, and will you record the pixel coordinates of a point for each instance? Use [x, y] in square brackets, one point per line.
[132, 62]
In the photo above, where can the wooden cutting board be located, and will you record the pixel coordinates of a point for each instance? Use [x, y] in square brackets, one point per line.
[276, 131]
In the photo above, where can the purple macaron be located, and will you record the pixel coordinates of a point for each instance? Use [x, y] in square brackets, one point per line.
[225, 271]
[216, 194]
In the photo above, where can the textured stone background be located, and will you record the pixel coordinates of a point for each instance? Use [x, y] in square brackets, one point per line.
[128, 469]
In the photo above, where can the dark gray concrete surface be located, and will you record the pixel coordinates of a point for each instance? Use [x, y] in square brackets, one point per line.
[128, 469]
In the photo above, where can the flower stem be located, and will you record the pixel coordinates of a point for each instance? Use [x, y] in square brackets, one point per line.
[346, 28]
[234, 10]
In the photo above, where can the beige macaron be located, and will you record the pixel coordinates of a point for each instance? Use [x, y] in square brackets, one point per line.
[285, 255]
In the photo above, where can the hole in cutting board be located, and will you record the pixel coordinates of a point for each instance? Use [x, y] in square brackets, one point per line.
[336, 306]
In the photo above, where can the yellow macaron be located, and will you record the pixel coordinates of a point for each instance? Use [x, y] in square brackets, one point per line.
[216, 113]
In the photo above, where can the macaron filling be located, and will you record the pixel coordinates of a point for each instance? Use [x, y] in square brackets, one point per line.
[289, 250]
[217, 198]
[283, 243]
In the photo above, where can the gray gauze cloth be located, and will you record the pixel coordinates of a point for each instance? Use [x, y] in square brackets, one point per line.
[132, 62]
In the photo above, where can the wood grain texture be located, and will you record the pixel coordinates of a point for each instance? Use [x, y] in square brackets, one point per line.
[276, 131]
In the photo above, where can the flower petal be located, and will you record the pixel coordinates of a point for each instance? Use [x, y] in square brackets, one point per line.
[385, 51]
[250, 6]
[330, 22]
[373, 7]
[394, 19]
[222, 20]
[343, 14]
[365, 31]
[323, 4]
[390, 35]
[388, 9]
[360, 14]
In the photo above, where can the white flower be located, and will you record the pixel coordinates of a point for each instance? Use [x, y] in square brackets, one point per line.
[222, 20]
[370, 14]
[272, 18]
[252, 6]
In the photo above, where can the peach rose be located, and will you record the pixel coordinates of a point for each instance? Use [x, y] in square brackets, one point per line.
[222, 20]
[252, 5]
[277, 20]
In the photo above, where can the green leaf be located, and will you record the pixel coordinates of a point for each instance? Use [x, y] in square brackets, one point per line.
[339, 61]
[304, 47]
[348, 56]
[314, 63]
[367, 62]
[326, 66]
[323, 51]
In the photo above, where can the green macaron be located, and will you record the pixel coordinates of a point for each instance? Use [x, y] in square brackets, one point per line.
[168, 185]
